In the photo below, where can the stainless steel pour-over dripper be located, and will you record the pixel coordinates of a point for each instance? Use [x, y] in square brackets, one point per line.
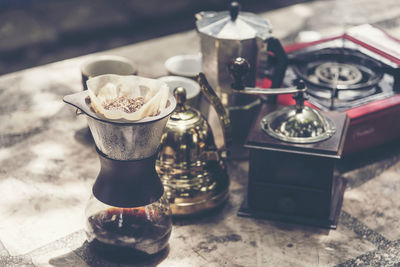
[121, 145]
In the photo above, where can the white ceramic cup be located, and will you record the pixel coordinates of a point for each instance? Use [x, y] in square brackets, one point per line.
[184, 65]
[192, 88]
[107, 64]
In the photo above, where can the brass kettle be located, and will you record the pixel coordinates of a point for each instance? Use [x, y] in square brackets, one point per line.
[189, 164]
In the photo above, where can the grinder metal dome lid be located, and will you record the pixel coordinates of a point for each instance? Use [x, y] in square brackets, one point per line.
[298, 124]
[232, 24]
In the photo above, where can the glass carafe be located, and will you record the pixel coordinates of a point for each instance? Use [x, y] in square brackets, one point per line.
[138, 231]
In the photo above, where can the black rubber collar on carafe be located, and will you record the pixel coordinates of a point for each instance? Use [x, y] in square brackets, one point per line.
[127, 183]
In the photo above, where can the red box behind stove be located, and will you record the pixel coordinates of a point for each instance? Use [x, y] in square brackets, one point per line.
[377, 121]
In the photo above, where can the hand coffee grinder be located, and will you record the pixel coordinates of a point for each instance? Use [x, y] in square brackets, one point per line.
[293, 152]
[127, 213]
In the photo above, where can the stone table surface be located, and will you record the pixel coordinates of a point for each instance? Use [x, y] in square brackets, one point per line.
[48, 165]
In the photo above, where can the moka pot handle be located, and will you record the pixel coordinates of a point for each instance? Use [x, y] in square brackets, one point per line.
[275, 49]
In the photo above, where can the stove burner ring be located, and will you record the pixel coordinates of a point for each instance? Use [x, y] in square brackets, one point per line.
[337, 68]
[338, 74]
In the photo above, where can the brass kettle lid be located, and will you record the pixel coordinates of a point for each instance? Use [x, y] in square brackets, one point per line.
[183, 115]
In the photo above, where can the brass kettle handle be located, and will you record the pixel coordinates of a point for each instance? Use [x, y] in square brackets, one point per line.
[213, 99]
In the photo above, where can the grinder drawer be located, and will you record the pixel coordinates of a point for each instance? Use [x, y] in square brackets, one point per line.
[290, 200]
[291, 169]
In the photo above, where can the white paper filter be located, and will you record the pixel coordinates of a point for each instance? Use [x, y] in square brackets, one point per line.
[111, 86]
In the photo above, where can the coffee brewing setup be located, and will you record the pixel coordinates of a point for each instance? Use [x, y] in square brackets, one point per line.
[169, 164]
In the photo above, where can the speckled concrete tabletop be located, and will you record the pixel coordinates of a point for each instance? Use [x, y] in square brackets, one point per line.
[48, 165]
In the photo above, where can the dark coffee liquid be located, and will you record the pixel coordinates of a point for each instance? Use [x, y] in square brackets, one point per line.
[132, 232]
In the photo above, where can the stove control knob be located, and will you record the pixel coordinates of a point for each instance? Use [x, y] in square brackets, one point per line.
[238, 69]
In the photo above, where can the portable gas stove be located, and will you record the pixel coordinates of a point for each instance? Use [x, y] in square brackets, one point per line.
[357, 73]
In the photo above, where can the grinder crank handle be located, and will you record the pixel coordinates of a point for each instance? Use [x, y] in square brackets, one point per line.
[239, 67]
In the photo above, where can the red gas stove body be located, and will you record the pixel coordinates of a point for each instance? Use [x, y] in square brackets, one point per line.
[374, 118]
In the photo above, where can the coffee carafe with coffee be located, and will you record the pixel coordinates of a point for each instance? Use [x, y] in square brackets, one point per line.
[127, 211]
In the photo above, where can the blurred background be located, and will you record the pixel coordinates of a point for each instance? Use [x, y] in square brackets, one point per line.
[36, 32]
